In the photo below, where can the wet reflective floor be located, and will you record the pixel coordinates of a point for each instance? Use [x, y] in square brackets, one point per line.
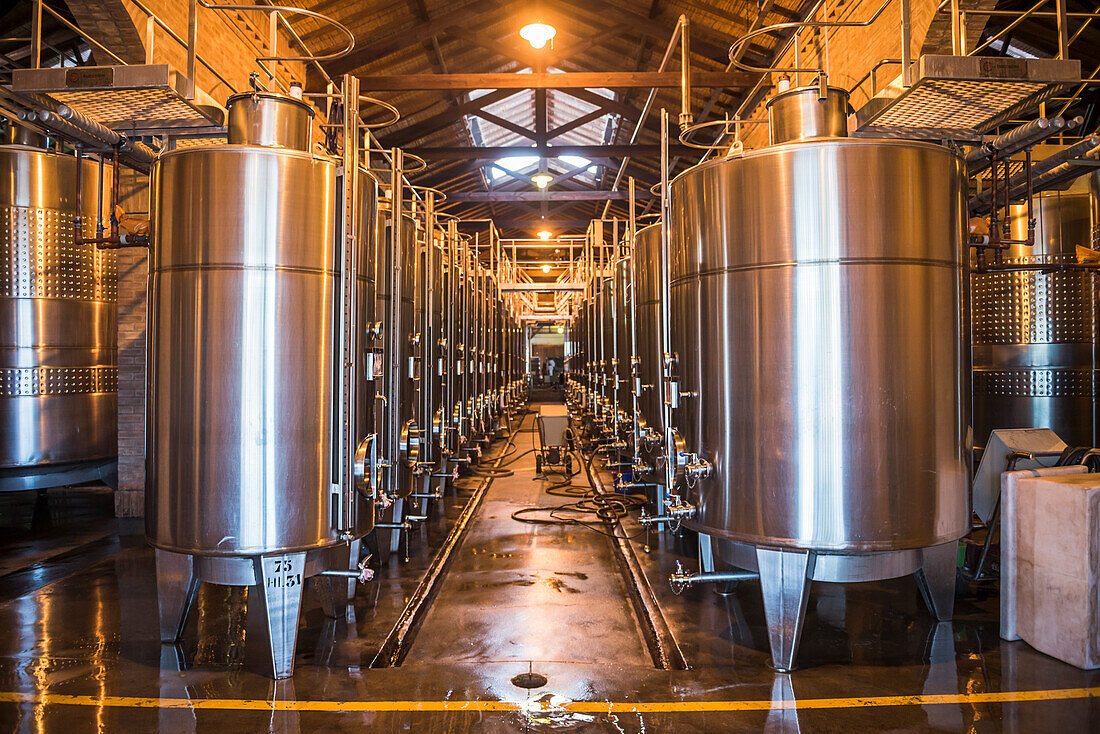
[79, 648]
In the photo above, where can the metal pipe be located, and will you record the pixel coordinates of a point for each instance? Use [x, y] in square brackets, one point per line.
[192, 44]
[685, 73]
[1016, 140]
[680, 24]
[1052, 168]
[36, 34]
[666, 326]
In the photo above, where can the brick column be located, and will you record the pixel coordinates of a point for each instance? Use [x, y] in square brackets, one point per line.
[133, 275]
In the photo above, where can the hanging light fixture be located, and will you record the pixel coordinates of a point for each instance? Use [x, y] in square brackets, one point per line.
[546, 268]
[544, 235]
[542, 179]
[537, 34]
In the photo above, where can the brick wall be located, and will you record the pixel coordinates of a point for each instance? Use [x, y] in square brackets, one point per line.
[133, 276]
[852, 52]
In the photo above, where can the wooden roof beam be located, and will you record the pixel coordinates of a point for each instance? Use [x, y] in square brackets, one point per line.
[574, 80]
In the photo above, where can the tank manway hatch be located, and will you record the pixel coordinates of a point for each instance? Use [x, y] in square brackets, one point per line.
[959, 97]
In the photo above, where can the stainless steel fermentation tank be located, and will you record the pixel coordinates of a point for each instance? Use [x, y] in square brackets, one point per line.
[647, 310]
[396, 278]
[620, 372]
[244, 408]
[58, 312]
[817, 310]
[1035, 333]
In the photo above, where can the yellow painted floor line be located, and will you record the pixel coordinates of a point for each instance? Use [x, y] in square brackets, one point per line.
[591, 707]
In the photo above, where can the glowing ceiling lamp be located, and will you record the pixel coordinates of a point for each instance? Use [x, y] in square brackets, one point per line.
[542, 180]
[537, 34]
[544, 235]
[560, 330]
[546, 268]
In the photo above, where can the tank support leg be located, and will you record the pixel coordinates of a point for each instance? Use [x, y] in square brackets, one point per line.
[936, 579]
[785, 583]
[177, 587]
[281, 580]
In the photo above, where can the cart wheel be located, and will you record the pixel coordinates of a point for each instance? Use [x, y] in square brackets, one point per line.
[538, 465]
[568, 464]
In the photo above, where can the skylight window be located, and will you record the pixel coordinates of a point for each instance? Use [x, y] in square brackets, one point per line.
[520, 109]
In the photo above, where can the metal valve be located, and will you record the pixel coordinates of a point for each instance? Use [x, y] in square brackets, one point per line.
[697, 468]
[679, 579]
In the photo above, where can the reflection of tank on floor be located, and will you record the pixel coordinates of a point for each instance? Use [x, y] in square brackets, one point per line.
[553, 450]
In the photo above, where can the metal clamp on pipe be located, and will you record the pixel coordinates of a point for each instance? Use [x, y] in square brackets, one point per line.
[681, 579]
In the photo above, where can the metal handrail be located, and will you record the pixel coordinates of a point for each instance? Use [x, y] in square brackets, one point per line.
[735, 58]
[178, 39]
[77, 30]
[278, 10]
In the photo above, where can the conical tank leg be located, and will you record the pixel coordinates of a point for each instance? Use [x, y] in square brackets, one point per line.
[177, 587]
[281, 580]
[785, 583]
[936, 578]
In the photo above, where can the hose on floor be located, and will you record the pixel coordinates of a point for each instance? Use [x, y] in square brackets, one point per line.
[597, 511]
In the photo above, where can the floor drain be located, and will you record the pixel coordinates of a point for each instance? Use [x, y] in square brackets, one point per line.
[529, 680]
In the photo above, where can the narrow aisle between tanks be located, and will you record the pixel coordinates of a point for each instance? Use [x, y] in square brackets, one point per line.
[522, 592]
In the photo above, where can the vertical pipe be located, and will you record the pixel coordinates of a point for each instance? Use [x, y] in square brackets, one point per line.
[906, 60]
[666, 325]
[273, 50]
[36, 35]
[632, 252]
[685, 74]
[192, 40]
[348, 349]
[150, 38]
[1063, 29]
[956, 30]
[396, 326]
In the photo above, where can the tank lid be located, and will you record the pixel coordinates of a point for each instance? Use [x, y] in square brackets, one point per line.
[801, 114]
[270, 120]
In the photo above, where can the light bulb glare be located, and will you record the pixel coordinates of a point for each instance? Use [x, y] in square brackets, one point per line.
[546, 268]
[542, 180]
[544, 235]
[537, 34]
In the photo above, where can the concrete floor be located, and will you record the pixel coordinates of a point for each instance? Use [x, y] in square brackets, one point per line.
[79, 649]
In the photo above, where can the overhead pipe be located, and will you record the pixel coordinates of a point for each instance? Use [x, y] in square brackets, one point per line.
[1049, 172]
[1016, 140]
[69, 123]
